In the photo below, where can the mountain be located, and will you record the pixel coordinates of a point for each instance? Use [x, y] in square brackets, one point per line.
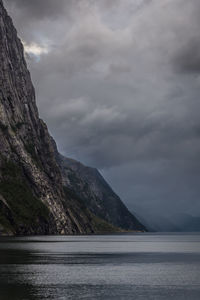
[186, 222]
[157, 223]
[34, 195]
[181, 222]
[89, 185]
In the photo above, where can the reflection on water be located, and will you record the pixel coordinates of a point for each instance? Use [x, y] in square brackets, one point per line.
[141, 266]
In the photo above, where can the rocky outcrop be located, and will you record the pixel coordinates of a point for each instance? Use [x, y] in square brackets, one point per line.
[33, 199]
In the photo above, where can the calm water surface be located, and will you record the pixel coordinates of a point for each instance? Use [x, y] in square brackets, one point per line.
[131, 266]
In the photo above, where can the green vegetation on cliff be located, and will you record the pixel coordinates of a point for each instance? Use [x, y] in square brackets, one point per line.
[26, 208]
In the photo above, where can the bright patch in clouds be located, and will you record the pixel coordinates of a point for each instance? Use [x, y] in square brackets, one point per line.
[35, 49]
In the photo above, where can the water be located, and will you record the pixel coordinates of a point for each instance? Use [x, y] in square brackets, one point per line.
[140, 266]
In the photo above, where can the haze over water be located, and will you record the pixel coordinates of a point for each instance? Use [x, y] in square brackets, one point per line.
[130, 266]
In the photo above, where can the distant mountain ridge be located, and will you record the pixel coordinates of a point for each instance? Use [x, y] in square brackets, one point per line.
[182, 222]
[39, 193]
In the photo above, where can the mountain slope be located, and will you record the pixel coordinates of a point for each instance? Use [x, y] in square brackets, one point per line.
[87, 183]
[34, 198]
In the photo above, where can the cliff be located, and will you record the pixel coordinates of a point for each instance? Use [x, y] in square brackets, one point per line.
[33, 198]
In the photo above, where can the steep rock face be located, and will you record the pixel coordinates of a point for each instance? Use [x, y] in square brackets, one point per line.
[32, 199]
[40, 191]
[87, 183]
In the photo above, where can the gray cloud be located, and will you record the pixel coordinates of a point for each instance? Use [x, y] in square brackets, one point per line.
[117, 91]
[187, 60]
[38, 9]
[186, 57]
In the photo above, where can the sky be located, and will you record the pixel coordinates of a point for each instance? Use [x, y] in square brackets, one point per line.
[118, 84]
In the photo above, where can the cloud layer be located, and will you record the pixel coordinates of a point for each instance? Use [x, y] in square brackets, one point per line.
[118, 85]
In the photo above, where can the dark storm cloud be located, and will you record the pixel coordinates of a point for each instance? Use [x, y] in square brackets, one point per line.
[188, 58]
[111, 85]
[187, 55]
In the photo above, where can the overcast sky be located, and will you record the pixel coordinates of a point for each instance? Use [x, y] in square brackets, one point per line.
[118, 84]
